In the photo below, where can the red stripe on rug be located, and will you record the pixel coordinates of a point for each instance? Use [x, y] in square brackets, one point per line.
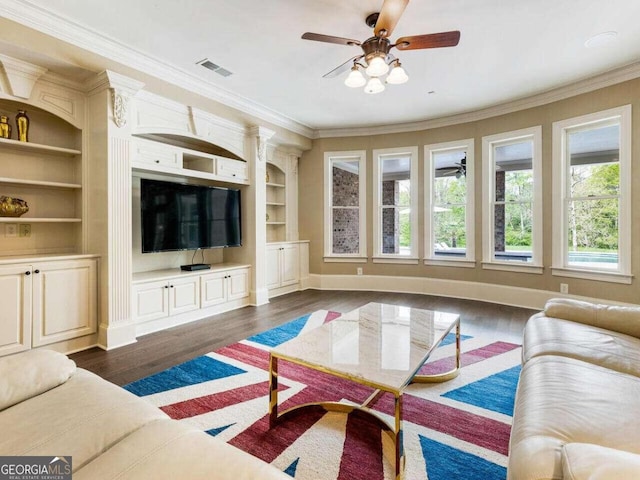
[468, 358]
[216, 401]
[362, 453]
[331, 316]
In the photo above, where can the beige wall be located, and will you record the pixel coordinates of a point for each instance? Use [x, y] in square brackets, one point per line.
[311, 188]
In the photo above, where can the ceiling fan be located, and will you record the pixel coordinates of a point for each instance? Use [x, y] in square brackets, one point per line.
[375, 57]
[460, 170]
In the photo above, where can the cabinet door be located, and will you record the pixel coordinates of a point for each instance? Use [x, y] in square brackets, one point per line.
[273, 266]
[232, 169]
[290, 264]
[184, 295]
[164, 155]
[64, 300]
[213, 289]
[15, 313]
[151, 301]
[238, 284]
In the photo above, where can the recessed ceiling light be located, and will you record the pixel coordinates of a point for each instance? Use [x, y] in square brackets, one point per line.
[601, 39]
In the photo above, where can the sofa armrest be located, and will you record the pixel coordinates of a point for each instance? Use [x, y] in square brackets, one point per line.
[585, 461]
[624, 320]
[25, 375]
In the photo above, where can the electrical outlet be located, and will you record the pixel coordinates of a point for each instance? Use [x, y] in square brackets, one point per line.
[359, 270]
[25, 230]
[11, 230]
[564, 288]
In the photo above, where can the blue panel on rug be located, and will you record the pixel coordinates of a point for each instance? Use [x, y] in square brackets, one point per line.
[215, 431]
[448, 463]
[281, 334]
[451, 338]
[198, 370]
[291, 469]
[496, 392]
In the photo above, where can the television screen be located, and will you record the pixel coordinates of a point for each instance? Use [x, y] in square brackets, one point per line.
[177, 216]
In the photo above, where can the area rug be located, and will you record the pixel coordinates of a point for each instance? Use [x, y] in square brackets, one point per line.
[453, 430]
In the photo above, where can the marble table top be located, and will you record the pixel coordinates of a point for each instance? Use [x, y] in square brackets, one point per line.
[379, 345]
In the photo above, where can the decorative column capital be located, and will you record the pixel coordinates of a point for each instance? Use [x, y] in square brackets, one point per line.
[122, 90]
[262, 136]
[21, 76]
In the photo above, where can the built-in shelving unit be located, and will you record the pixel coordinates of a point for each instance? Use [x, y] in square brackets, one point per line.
[276, 204]
[45, 172]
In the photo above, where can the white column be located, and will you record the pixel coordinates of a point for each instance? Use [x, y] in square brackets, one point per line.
[255, 211]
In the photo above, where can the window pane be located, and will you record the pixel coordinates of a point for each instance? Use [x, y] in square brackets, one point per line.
[514, 171]
[390, 230]
[345, 183]
[450, 190]
[346, 228]
[513, 232]
[594, 161]
[449, 231]
[593, 233]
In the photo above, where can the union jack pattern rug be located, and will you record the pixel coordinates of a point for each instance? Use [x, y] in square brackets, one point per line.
[454, 430]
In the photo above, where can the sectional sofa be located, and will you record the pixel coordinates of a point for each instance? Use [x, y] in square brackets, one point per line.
[577, 409]
[49, 407]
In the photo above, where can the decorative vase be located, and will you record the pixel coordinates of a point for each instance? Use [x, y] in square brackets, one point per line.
[12, 207]
[267, 176]
[267, 217]
[5, 128]
[22, 122]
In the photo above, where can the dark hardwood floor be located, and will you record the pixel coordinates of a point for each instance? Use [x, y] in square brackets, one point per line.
[158, 351]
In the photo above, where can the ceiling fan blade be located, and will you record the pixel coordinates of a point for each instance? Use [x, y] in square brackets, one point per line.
[318, 37]
[389, 15]
[431, 40]
[342, 68]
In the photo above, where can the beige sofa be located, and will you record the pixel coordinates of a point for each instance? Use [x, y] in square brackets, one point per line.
[49, 407]
[577, 409]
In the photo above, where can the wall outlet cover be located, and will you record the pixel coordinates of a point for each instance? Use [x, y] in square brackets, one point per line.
[11, 230]
[25, 230]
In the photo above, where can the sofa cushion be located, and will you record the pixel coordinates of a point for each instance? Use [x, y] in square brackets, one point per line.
[168, 449]
[562, 400]
[620, 319]
[82, 417]
[583, 461]
[25, 375]
[554, 336]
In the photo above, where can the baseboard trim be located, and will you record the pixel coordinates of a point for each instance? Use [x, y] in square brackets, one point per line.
[116, 336]
[484, 292]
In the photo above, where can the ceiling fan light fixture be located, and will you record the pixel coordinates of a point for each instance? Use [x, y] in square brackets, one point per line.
[377, 67]
[374, 85]
[398, 75]
[355, 78]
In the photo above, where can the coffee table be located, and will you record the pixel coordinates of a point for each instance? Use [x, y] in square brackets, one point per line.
[377, 345]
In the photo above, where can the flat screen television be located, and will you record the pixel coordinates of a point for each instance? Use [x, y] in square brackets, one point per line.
[178, 216]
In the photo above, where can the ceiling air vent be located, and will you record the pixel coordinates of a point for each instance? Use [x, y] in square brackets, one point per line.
[206, 63]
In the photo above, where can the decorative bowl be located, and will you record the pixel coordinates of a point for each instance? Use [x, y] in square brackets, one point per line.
[12, 207]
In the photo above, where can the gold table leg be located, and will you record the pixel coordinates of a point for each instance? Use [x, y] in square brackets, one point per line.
[399, 441]
[445, 376]
[273, 390]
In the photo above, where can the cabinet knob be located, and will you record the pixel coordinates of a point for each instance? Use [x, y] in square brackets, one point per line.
[157, 161]
[166, 286]
[36, 271]
[27, 272]
[171, 286]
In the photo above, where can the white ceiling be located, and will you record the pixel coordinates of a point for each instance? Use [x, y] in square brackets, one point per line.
[509, 49]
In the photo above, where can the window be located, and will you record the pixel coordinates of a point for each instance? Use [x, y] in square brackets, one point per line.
[592, 171]
[449, 218]
[512, 207]
[345, 200]
[395, 198]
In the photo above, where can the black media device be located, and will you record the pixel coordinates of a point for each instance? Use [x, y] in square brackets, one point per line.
[195, 266]
[178, 216]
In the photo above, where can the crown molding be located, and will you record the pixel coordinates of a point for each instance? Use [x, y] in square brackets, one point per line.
[612, 77]
[64, 29]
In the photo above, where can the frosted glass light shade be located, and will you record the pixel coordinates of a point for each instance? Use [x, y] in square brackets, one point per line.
[377, 67]
[397, 76]
[374, 86]
[355, 79]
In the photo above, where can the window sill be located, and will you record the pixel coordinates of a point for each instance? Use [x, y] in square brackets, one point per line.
[508, 267]
[400, 260]
[336, 259]
[598, 275]
[462, 263]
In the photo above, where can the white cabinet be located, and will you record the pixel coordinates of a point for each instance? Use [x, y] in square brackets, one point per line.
[220, 287]
[160, 299]
[46, 302]
[283, 265]
[166, 298]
